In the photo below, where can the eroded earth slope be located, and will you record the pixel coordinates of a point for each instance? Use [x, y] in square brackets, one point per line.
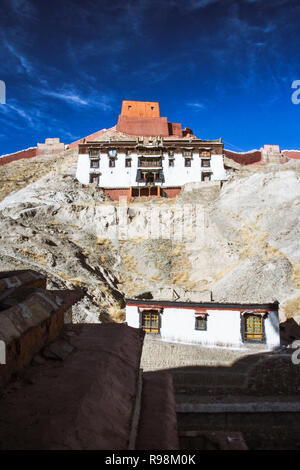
[241, 241]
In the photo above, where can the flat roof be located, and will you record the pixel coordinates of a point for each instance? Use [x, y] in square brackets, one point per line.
[206, 305]
[141, 101]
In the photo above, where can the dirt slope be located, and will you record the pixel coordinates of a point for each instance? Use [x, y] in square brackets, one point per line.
[242, 241]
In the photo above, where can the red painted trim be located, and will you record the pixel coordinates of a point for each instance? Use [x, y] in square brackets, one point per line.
[197, 309]
[244, 158]
[12, 157]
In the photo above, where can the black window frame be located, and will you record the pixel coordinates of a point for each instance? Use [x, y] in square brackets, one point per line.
[93, 161]
[204, 174]
[112, 162]
[92, 175]
[205, 160]
[204, 320]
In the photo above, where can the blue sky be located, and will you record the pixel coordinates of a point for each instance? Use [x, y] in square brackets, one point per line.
[224, 68]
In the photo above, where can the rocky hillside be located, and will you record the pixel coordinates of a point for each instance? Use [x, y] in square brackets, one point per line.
[240, 241]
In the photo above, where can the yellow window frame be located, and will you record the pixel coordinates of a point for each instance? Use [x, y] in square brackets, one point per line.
[254, 327]
[150, 321]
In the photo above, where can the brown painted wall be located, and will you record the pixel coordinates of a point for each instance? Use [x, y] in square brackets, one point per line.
[146, 126]
[244, 158]
[115, 193]
[86, 403]
[175, 128]
[158, 406]
[28, 153]
[292, 153]
[170, 192]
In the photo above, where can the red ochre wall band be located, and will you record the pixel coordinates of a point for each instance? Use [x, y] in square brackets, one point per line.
[116, 193]
[244, 158]
[28, 153]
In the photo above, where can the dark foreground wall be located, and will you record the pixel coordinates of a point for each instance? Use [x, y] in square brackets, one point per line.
[82, 401]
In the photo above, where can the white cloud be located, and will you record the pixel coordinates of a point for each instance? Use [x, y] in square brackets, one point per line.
[74, 98]
[23, 61]
[66, 96]
[196, 105]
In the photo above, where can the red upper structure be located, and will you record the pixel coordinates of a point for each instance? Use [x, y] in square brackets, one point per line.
[143, 118]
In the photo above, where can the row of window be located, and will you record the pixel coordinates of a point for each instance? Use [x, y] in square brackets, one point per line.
[171, 153]
[112, 163]
[188, 162]
[149, 177]
[252, 325]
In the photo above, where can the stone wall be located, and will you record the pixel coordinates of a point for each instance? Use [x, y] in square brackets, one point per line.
[30, 317]
[51, 145]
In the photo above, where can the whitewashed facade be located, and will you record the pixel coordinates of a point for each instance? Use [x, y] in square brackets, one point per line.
[207, 324]
[164, 163]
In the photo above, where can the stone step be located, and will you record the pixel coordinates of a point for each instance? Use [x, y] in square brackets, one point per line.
[237, 404]
[185, 382]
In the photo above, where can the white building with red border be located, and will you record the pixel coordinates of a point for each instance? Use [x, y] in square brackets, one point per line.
[211, 323]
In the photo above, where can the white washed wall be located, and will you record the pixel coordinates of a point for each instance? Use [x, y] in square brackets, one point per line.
[223, 327]
[217, 167]
[121, 176]
[83, 169]
[272, 329]
[132, 316]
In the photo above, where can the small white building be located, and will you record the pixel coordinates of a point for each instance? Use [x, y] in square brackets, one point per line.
[211, 324]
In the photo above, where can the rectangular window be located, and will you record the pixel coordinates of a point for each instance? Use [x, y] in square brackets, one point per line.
[94, 163]
[187, 162]
[112, 153]
[94, 179]
[150, 321]
[205, 153]
[253, 328]
[206, 176]
[205, 162]
[149, 162]
[94, 152]
[112, 163]
[201, 323]
[128, 162]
